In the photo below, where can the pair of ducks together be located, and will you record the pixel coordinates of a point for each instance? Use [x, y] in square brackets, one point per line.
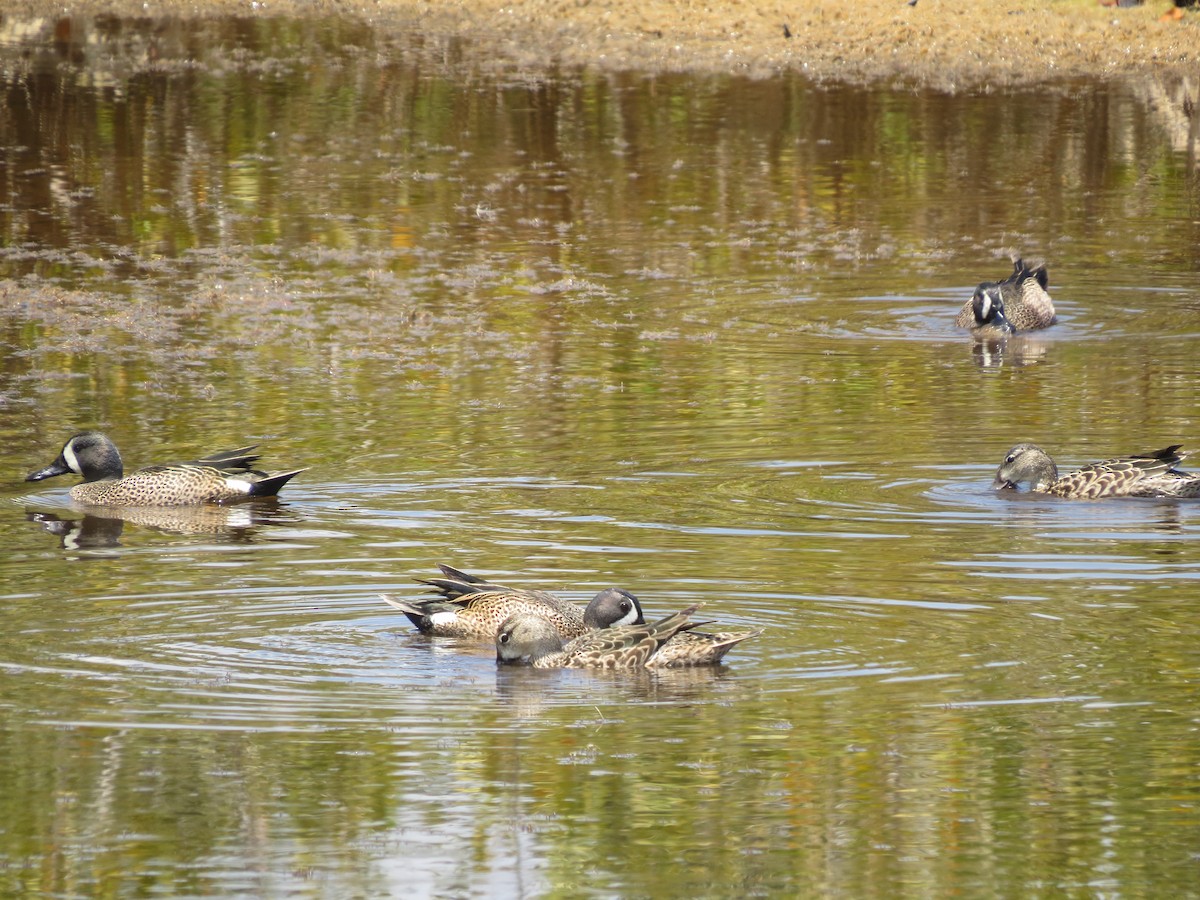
[228, 477]
[1021, 303]
[538, 629]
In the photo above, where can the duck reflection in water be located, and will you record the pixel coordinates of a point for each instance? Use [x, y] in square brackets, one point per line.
[103, 527]
[1012, 350]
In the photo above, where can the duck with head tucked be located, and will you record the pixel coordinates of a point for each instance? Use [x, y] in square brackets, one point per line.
[224, 477]
[1144, 475]
[1019, 303]
[470, 606]
[479, 615]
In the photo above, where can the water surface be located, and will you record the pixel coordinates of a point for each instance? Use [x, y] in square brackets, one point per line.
[688, 335]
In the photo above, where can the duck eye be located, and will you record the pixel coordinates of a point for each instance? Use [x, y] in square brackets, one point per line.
[1010, 458]
[625, 606]
[504, 637]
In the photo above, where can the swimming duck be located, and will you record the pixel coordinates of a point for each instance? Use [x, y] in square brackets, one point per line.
[532, 640]
[1021, 300]
[224, 477]
[1146, 475]
[481, 613]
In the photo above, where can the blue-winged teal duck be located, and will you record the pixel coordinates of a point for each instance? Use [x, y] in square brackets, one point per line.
[1147, 475]
[533, 641]
[1019, 303]
[472, 607]
[480, 614]
[224, 477]
[608, 608]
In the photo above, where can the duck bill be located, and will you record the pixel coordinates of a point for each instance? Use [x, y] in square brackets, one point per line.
[58, 467]
[1003, 484]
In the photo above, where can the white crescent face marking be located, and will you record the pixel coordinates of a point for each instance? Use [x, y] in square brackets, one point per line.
[629, 618]
[72, 462]
[986, 306]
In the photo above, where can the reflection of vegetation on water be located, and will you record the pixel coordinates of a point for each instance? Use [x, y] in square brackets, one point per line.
[668, 795]
[321, 140]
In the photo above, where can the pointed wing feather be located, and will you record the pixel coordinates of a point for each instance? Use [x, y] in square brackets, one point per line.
[626, 646]
[699, 648]
[1120, 476]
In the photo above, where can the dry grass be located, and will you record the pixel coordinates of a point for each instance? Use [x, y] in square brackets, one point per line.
[936, 41]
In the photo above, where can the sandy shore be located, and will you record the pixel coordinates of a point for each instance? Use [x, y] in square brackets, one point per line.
[949, 44]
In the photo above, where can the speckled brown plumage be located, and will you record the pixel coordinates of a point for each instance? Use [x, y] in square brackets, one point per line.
[224, 477]
[528, 640]
[697, 648]
[1021, 299]
[1144, 475]
[472, 607]
[480, 615]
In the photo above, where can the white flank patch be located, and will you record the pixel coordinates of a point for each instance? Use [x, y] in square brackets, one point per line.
[444, 618]
[237, 484]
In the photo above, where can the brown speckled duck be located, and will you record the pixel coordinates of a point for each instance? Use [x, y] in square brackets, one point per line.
[1019, 303]
[531, 640]
[1145, 475]
[481, 614]
[224, 477]
[470, 606]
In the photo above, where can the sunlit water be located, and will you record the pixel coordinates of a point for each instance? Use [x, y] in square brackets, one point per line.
[690, 336]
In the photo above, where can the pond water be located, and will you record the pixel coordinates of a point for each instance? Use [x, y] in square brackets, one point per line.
[569, 329]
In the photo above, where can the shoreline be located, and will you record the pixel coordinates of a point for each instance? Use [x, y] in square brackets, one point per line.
[934, 43]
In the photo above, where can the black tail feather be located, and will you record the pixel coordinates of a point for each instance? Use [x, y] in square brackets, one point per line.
[239, 460]
[271, 484]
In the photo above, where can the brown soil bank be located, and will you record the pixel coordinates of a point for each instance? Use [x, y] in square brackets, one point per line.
[949, 43]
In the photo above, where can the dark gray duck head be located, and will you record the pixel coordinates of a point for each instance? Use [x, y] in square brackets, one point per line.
[988, 306]
[88, 454]
[611, 607]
